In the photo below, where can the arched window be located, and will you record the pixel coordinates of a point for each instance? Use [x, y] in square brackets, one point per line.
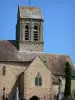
[36, 33]
[4, 70]
[27, 31]
[38, 80]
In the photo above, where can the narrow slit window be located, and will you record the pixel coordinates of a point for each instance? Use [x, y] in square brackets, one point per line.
[4, 70]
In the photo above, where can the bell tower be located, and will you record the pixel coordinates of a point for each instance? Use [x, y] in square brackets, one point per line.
[29, 29]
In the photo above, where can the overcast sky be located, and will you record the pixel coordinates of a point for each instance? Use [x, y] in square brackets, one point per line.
[59, 23]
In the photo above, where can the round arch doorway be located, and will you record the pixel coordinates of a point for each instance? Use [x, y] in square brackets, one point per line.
[34, 98]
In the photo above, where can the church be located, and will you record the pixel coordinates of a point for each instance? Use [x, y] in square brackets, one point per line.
[24, 64]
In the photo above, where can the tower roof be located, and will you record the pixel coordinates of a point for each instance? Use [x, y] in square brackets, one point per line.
[30, 12]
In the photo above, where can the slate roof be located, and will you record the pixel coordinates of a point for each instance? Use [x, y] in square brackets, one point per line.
[30, 12]
[55, 63]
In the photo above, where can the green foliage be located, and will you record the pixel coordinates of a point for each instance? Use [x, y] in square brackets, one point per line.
[67, 80]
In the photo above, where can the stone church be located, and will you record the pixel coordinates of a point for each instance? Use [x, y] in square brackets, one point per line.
[24, 64]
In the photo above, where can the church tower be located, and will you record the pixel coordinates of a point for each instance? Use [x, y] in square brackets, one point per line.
[29, 29]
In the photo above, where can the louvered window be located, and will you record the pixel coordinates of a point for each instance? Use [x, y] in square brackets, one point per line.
[36, 31]
[27, 31]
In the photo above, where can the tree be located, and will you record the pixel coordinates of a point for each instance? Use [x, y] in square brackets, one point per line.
[68, 75]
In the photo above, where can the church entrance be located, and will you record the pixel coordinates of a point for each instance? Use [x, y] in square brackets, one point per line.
[34, 98]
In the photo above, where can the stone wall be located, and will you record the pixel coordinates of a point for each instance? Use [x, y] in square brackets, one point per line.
[31, 45]
[9, 79]
[72, 84]
[55, 86]
[29, 80]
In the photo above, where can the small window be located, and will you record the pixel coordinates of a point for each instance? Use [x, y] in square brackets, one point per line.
[36, 35]
[4, 70]
[27, 30]
[38, 80]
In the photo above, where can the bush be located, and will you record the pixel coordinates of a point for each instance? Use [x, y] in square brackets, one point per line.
[67, 91]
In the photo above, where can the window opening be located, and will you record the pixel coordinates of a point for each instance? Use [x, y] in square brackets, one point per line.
[4, 70]
[27, 32]
[36, 33]
[38, 80]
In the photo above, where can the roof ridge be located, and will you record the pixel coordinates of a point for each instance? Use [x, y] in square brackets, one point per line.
[57, 55]
[28, 7]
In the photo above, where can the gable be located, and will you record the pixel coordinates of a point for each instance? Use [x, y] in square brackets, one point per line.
[37, 64]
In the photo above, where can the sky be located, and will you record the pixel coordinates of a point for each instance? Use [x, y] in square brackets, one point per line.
[59, 23]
